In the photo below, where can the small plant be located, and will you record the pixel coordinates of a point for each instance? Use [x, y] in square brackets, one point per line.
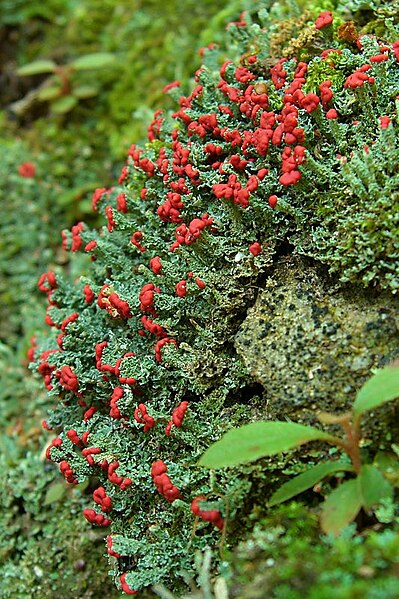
[61, 89]
[366, 490]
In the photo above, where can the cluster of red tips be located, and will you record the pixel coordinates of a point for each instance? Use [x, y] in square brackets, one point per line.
[160, 344]
[154, 128]
[68, 379]
[57, 442]
[146, 298]
[114, 411]
[331, 114]
[255, 248]
[102, 499]
[45, 369]
[163, 482]
[177, 417]
[169, 211]
[136, 239]
[75, 439]
[309, 102]
[156, 265]
[97, 195]
[121, 482]
[89, 413]
[208, 515]
[144, 164]
[181, 289]
[89, 452]
[153, 328]
[385, 121]
[68, 320]
[272, 201]
[200, 283]
[123, 175]
[109, 548]
[76, 240]
[121, 203]
[31, 351]
[99, 352]
[110, 218]
[27, 170]
[142, 417]
[125, 587]
[47, 282]
[187, 235]
[90, 246]
[291, 159]
[359, 78]
[88, 293]
[112, 303]
[325, 92]
[233, 190]
[325, 18]
[94, 518]
[112, 369]
[66, 470]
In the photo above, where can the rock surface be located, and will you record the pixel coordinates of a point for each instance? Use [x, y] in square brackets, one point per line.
[312, 344]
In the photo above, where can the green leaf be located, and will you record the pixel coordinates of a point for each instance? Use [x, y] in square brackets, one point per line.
[54, 493]
[373, 486]
[98, 60]
[49, 93]
[306, 480]
[259, 439]
[85, 91]
[341, 507]
[64, 104]
[382, 387]
[37, 67]
[70, 196]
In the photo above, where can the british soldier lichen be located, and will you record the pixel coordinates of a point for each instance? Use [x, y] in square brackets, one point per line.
[258, 156]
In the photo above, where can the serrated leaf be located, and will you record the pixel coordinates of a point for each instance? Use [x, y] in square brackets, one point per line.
[259, 439]
[85, 91]
[37, 67]
[341, 507]
[54, 493]
[306, 480]
[63, 105]
[49, 93]
[97, 60]
[373, 486]
[381, 388]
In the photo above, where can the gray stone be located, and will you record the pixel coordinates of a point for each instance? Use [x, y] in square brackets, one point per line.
[312, 345]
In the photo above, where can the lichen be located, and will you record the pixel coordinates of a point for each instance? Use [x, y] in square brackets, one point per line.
[246, 171]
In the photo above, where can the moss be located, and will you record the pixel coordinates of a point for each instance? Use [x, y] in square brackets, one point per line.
[271, 562]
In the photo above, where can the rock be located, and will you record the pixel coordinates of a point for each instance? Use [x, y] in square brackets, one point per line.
[312, 344]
